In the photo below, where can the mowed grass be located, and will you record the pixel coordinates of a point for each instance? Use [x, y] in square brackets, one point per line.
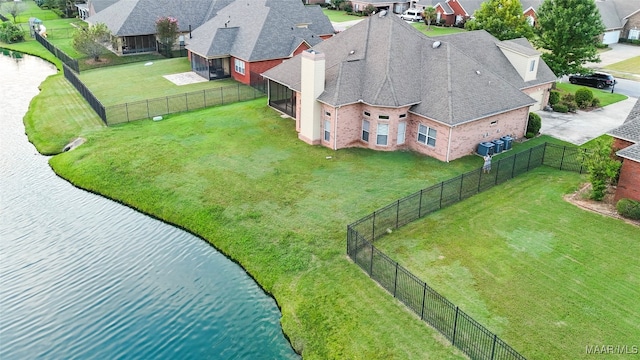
[339, 15]
[605, 96]
[238, 176]
[137, 81]
[545, 275]
[628, 66]
[436, 30]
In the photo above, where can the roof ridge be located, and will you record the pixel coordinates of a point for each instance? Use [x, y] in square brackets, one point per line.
[449, 88]
[387, 76]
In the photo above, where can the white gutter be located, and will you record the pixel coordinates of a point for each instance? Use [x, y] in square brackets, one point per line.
[335, 130]
[449, 143]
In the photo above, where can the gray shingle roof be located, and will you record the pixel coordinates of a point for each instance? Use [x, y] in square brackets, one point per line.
[631, 152]
[609, 15]
[630, 131]
[267, 29]
[481, 46]
[395, 65]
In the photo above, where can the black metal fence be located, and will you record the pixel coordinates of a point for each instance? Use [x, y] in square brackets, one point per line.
[66, 59]
[462, 330]
[93, 101]
[146, 109]
[2, 18]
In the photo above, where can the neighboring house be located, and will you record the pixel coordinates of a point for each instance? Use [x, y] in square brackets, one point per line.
[92, 7]
[383, 85]
[611, 20]
[241, 40]
[626, 144]
[396, 7]
[448, 12]
[631, 28]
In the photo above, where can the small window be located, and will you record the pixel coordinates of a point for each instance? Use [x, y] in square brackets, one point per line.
[532, 66]
[402, 116]
[494, 122]
[239, 66]
[383, 117]
[327, 131]
[327, 113]
[365, 130]
[383, 134]
[427, 135]
[366, 113]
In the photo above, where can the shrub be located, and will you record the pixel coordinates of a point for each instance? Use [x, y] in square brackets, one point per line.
[583, 97]
[561, 108]
[554, 97]
[529, 135]
[369, 9]
[629, 208]
[571, 105]
[595, 102]
[534, 124]
[11, 33]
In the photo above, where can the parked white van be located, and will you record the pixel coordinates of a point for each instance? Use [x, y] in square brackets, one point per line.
[412, 15]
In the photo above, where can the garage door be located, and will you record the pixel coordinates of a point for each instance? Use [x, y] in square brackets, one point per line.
[537, 96]
[611, 37]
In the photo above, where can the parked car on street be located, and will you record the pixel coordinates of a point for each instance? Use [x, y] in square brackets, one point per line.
[597, 79]
[412, 15]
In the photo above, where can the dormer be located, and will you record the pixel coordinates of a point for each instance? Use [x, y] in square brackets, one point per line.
[524, 59]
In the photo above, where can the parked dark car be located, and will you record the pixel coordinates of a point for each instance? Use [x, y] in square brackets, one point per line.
[597, 79]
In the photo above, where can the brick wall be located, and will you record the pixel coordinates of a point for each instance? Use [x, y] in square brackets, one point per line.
[632, 23]
[629, 182]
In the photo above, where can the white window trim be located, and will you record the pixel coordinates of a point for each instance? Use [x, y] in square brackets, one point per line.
[380, 133]
[327, 130]
[239, 66]
[402, 134]
[367, 130]
[427, 136]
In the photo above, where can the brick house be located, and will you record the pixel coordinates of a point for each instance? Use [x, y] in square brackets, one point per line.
[383, 85]
[631, 28]
[396, 7]
[242, 40]
[626, 144]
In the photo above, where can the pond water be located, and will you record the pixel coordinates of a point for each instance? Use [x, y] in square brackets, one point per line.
[84, 277]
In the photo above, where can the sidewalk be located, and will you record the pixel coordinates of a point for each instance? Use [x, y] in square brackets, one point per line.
[619, 52]
[583, 126]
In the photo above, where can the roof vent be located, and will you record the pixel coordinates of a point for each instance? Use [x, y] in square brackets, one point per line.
[382, 13]
[436, 44]
[477, 72]
[352, 52]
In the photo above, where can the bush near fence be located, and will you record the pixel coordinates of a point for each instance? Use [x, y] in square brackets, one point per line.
[462, 330]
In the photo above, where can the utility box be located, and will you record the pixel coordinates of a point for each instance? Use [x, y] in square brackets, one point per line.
[486, 148]
[507, 142]
[499, 146]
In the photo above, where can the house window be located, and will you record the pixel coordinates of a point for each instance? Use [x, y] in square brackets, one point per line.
[366, 113]
[532, 65]
[383, 117]
[494, 122]
[365, 130]
[427, 135]
[634, 34]
[402, 128]
[531, 20]
[239, 65]
[327, 130]
[402, 116]
[383, 134]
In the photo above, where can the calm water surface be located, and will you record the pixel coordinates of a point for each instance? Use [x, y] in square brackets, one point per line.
[82, 277]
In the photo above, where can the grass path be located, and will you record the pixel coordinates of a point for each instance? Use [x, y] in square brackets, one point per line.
[546, 276]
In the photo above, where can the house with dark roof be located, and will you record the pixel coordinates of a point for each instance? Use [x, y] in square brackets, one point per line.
[383, 85]
[245, 38]
[397, 6]
[626, 144]
[224, 38]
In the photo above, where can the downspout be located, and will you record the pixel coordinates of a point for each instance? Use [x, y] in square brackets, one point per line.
[449, 143]
[335, 130]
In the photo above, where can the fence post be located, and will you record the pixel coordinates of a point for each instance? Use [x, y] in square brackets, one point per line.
[529, 160]
[480, 180]
[420, 205]
[424, 296]
[397, 213]
[461, 182]
[373, 228]
[455, 327]
[513, 168]
[493, 347]
[148, 113]
[186, 101]
[562, 159]
[221, 97]
[204, 93]
[167, 98]
[395, 281]
[126, 110]
[441, 192]
[498, 171]
[238, 91]
[544, 152]
[371, 263]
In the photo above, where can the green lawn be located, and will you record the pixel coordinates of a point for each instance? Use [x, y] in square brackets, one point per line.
[238, 176]
[134, 82]
[339, 15]
[628, 66]
[605, 96]
[545, 275]
[32, 10]
[436, 30]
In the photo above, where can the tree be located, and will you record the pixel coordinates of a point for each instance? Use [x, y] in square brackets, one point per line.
[14, 8]
[601, 167]
[167, 31]
[10, 33]
[338, 4]
[429, 14]
[569, 30]
[91, 41]
[503, 19]
[369, 9]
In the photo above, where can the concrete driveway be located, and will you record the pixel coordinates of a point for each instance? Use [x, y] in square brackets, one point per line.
[583, 126]
[619, 52]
